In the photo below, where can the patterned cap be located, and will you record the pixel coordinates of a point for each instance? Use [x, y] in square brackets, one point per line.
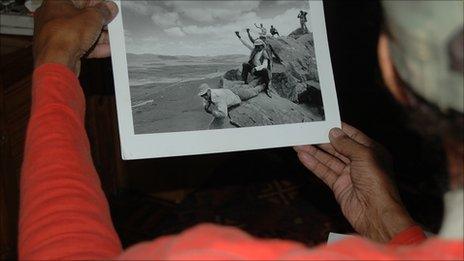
[426, 45]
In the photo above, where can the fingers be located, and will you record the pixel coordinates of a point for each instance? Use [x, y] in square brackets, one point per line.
[328, 176]
[104, 12]
[332, 151]
[104, 38]
[357, 135]
[51, 9]
[359, 141]
[85, 3]
[56, 3]
[108, 10]
[345, 145]
[100, 51]
[79, 3]
[328, 160]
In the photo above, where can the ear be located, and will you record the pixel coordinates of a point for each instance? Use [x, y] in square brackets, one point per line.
[389, 74]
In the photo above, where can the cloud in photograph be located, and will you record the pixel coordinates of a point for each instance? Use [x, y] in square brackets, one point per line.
[175, 31]
[202, 28]
[213, 11]
[166, 19]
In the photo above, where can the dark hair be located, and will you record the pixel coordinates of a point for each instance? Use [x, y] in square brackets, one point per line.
[430, 121]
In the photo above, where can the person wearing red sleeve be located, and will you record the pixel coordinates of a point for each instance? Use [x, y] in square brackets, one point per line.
[64, 214]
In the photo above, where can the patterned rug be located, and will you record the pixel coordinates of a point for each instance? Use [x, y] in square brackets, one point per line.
[268, 194]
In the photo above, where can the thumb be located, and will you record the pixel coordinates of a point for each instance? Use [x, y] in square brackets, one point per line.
[345, 145]
[105, 11]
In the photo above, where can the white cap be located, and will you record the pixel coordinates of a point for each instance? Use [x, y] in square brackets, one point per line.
[204, 88]
[421, 35]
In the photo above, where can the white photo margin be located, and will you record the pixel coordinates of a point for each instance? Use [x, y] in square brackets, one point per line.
[143, 146]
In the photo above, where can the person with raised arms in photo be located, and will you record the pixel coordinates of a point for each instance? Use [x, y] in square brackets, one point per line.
[256, 76]
[269, 50]
[259, 64]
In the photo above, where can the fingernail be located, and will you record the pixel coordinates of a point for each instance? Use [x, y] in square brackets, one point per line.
[336, 132]
[113, 7]
[298, 148]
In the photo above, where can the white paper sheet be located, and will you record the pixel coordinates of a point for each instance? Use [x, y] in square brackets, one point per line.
[163, 51]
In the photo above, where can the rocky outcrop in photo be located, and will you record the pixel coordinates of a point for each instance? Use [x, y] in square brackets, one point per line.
[295, 90]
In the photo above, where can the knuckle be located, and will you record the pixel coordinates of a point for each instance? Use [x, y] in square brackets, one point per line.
[320, 169]
[91, 14]
[311, 150]
[355, 135]
[59, 32]
[366, 153]
[338, 141]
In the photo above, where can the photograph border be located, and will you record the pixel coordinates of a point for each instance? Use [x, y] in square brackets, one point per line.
[143, 146]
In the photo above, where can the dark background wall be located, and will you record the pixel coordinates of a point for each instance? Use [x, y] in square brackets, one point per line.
[353, 29]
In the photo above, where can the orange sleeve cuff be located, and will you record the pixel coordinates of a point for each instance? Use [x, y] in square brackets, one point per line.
[410, 236]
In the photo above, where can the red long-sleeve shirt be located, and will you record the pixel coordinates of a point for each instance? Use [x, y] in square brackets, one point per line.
[64, 213]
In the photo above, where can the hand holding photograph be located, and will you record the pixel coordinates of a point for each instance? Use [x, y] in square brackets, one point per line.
[196, 77]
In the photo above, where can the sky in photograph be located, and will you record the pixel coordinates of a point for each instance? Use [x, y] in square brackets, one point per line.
[202, 28]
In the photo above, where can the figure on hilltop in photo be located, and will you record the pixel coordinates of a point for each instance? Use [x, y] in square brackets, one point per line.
[274, 31]
[303, 20]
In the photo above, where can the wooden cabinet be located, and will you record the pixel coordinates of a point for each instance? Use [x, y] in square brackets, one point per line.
[15, 89]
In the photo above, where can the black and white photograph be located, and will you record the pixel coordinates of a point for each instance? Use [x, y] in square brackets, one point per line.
[198, 65]
[215, 65]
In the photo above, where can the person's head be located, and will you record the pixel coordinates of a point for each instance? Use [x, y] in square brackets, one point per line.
[259, 45]
[272, 26]
[421, 59]
[262, 25]
[204, 91]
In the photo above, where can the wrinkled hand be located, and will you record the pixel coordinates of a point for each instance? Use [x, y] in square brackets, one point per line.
[66, 31]
[357, 170]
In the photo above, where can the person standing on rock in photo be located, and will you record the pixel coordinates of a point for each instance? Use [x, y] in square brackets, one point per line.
[259, 64]
[251, 37]
[303, 20]
[274, 31]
